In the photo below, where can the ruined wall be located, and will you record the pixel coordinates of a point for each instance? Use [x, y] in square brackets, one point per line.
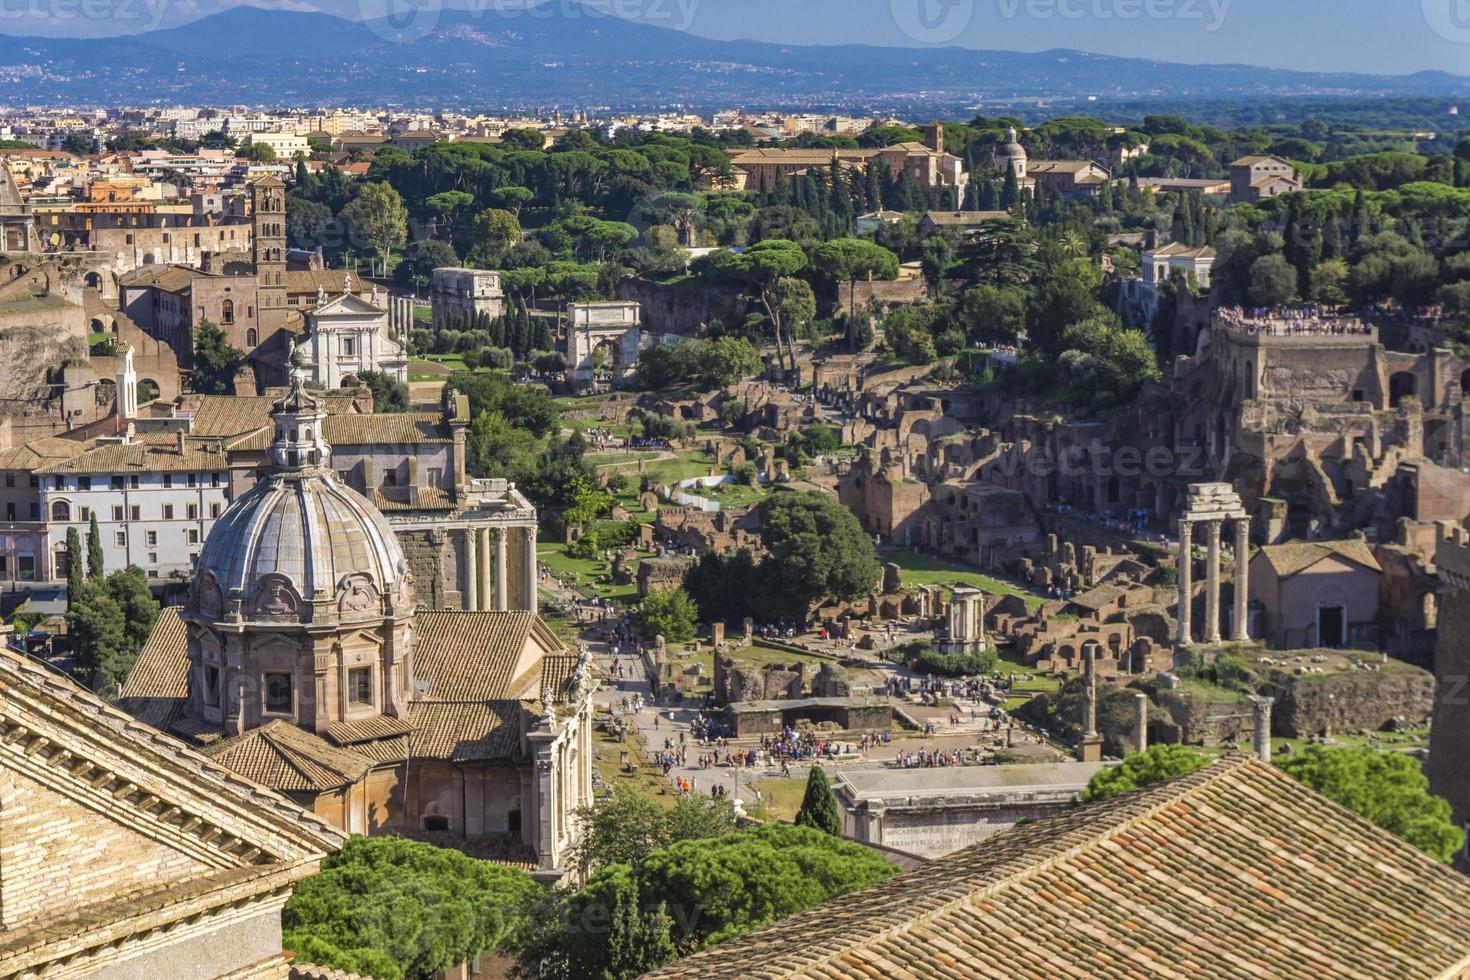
[428, 554]
[1349, 701]
[682, 308]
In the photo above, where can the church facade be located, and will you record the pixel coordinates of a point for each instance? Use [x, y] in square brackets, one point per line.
[303, 662]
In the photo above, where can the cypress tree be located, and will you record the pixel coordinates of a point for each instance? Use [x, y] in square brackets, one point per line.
[1010, 192]
[782, 190]
[875, 189]
[819, 806]
[75, 569]
[95, 565]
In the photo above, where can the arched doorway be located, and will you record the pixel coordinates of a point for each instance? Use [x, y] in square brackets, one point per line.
[93, 280]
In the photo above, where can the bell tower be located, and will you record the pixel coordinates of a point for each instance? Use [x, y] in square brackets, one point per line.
[268, 252]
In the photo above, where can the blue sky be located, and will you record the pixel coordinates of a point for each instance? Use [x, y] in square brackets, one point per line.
[1378, 36]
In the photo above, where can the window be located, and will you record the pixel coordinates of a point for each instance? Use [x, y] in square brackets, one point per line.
[214, 479]
[278, 693]
[168, 512]
[211, 684]
[25, 568]
[151, 539]
[214, 510]
[360, 685]
[84, 483]
[85, 514]
[35, 512]
[61, 511]
[120, 538]
[62, 559]
[168, 480]
[193, 512]
[135, 513]
[349, 346]
[193, 536]
[58, 483]
[192, 481]
[117, 483]
[251, 337]
[132, 483]
[10, 479]
[227, 312]
[10, 511]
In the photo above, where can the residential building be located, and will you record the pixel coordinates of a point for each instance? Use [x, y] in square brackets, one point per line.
[1255, 177]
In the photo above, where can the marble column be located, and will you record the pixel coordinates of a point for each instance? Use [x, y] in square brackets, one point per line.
[1186, 582]
[471, 592]
[502, 583]
[1240, 627]
[1089, 717]
[1212, 582]
[1140, 721]
[482, 535]
[529, 534]
[1262, 707]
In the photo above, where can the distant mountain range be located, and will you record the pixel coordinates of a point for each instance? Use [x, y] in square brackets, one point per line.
[567, 56]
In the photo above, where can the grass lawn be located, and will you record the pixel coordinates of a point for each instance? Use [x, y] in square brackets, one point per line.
[686, 464]
[585, 572]
[423, 314]
[759, 655]
[928, 570]
[780, 799]
[618, 459]
[735, 494]
[648, 780]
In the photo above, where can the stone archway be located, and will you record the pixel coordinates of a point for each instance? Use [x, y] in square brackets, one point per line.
[1401, 385]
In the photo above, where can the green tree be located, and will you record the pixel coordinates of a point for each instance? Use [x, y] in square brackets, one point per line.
[216, 363]
[1388, 788]
[129, 589]
[851, 259]
[1273, 281]
[627, 826]
[420, 260]
[377, 219]
[76, 571]
[1156, 764]
[669, 613]
[765, 265]
[258, 153]
[817, 550]
[390, 396]
[395, 908]
[819, 806]
[496, 230]
[724, 361]
[95, 563]
[97, 628]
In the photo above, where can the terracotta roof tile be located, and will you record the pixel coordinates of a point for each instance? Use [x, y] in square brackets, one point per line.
[1235, 871]
[470, 656]
[158, 684]
[465, 731]
[289, 759]
[1297, 556]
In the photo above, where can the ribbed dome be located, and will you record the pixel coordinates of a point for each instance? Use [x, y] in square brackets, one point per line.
[306, 528]
[301, 545]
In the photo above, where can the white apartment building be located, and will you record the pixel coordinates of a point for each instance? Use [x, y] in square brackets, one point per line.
[154, 498]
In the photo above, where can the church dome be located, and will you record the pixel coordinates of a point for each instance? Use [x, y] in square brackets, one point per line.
[300, 545]
[1011, 154]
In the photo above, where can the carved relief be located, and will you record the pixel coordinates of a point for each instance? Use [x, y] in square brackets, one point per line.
[211, 599]
[275, 598]
[357, 595]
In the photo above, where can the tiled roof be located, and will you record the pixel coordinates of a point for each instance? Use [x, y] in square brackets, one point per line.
[470, 656]
[40, 452]
[289, 759]
[465, 731]
[158, 684]
[352, 732]
[964, 218]
[1297, 556]
[310, 971]
[1059, 166]
[149, 454]
[418, 428]
[413, 498]
[1234, 871]
[557, 672]
[308, 280]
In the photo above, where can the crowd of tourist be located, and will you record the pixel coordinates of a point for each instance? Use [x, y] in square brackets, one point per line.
[1285, 321]
[1135, 523]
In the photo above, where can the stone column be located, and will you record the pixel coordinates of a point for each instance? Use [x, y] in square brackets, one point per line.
[1240, 628]
[530, 559]
[482, 538]
[1089, 717]
[1186, 581]
[1262, 708]
[502, 592]
[470, 592]
[1140, 721]
[1212, 582]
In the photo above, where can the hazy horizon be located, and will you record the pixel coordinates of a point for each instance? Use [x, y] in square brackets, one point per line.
[1369, 36]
